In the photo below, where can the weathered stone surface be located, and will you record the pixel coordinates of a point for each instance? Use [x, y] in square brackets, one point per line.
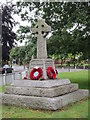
[40, 30]
[44, 102]
[41, 84]
[43, 92]
[43, 64]
[71, 98]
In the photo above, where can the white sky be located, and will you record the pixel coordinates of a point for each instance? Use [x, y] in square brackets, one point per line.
[22, 23]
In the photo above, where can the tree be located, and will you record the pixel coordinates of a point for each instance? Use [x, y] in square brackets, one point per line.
[22, 54]
[8, 36]
[70, 24]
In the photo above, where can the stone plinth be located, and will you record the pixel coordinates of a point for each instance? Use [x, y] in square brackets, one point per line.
[44, 102]
[41, 92]
[48, 94]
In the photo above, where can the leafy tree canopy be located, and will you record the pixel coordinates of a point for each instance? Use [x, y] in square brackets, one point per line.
[70, 22]
[8, 36]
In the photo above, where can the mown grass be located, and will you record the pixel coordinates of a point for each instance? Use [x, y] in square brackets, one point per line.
[80, 77]
[76, 110]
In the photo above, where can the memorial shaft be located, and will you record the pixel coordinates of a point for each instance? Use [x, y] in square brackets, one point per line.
[41, 47]
[41, 30]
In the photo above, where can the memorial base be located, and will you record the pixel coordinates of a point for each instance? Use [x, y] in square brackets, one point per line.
[48, 94]
[43, 64]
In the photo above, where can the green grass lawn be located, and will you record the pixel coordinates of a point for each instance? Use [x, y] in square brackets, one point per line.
[76, 110]
[80, 77]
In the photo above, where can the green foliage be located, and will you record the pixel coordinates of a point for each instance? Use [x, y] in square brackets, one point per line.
[8, 36]
[70, 22]
[70, 27]
[23, 54]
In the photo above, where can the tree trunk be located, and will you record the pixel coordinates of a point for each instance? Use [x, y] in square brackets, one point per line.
[74, 61]
[61, 62]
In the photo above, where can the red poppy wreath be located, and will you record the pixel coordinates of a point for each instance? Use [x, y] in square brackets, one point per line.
[36, 73]
[51, 73]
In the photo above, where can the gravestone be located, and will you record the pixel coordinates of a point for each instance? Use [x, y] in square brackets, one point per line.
[41, 30]
[47, 94]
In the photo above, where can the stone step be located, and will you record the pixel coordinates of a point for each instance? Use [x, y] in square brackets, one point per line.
[41, 92]
[41, 84]
[44, 102]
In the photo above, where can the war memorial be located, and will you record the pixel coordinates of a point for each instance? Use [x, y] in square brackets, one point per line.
[42, 89]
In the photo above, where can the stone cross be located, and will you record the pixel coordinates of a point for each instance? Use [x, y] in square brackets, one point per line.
[41, 30]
